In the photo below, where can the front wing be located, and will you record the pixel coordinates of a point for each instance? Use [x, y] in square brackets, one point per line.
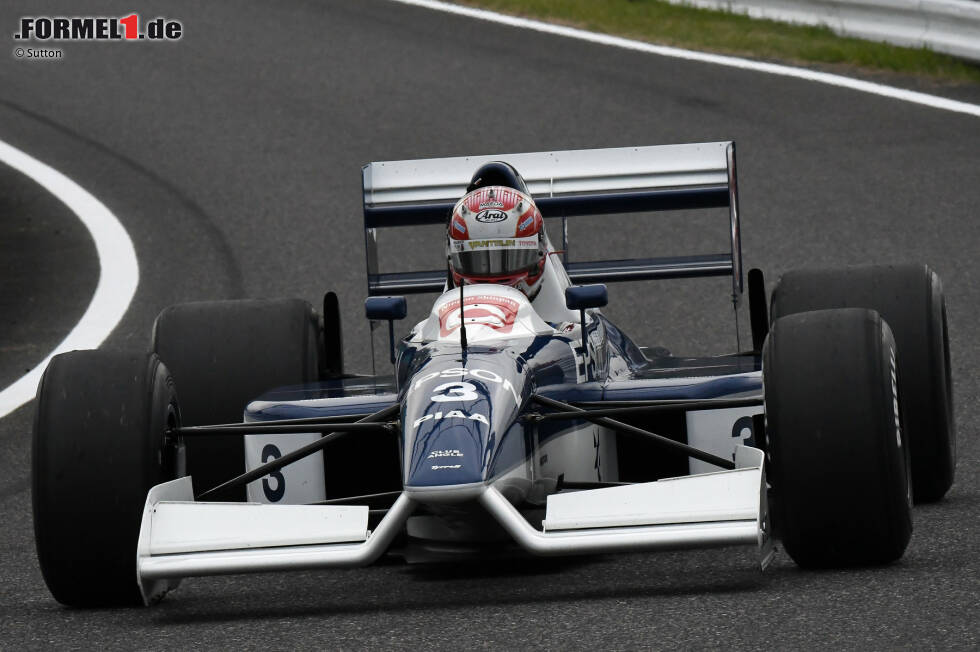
[180, 537]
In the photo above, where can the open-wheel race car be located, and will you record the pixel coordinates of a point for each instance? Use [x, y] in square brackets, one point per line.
[508, 424]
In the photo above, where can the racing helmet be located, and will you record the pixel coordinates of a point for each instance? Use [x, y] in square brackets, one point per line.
[496, 233]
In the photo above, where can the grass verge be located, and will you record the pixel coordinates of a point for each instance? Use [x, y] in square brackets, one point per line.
[724, 32]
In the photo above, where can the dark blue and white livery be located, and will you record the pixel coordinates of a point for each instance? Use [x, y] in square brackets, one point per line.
[471, 436]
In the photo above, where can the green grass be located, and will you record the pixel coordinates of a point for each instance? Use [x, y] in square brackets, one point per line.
[728, 33]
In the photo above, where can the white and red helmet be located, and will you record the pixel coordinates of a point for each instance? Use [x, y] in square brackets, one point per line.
[496, 233]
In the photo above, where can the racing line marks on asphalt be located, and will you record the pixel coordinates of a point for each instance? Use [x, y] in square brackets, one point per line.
[914, 97]
[118, 270]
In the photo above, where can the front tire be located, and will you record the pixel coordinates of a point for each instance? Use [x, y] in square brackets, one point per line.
[910, 298]
[838, 460]
[101, 441]
[224, 354]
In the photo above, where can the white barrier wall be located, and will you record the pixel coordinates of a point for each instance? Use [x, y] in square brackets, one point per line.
[950, 26]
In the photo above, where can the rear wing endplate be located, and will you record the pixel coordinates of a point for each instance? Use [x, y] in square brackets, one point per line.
[564, 184]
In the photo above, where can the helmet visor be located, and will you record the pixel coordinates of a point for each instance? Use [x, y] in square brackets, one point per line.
[494, 257]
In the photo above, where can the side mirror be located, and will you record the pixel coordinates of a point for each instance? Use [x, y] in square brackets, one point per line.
[386, 309]
[580, 297]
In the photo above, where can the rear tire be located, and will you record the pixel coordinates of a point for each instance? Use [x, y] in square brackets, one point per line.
[910, 298]
[838, 462]
[100, 443]
[224, 354]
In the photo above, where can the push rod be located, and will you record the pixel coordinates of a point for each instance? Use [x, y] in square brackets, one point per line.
[276, 428]
[625, 427]
[658, 406]
[340, 418]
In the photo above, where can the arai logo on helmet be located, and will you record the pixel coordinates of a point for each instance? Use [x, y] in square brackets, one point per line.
[491, 216]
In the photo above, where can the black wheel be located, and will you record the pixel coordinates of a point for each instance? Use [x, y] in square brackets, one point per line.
[910, 298]
[838, 462]
[100, 443]
[223, 354]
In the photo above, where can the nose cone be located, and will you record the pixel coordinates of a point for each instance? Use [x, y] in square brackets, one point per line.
[455, 412]
[449, 449]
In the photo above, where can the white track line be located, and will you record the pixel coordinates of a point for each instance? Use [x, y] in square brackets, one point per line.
[718, 59]
[118, 274]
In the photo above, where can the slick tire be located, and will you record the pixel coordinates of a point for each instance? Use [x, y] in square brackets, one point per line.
[223, 354]
[100, 443]
[838, 460]
[910, 298]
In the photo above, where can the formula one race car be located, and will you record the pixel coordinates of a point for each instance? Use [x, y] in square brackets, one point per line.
[507, 425]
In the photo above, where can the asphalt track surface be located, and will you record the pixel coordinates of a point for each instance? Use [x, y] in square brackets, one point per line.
[233, 156]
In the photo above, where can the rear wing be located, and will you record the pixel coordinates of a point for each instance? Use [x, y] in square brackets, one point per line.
[564, 184]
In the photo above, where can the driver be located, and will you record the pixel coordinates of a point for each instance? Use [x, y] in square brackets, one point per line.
[496, 234]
